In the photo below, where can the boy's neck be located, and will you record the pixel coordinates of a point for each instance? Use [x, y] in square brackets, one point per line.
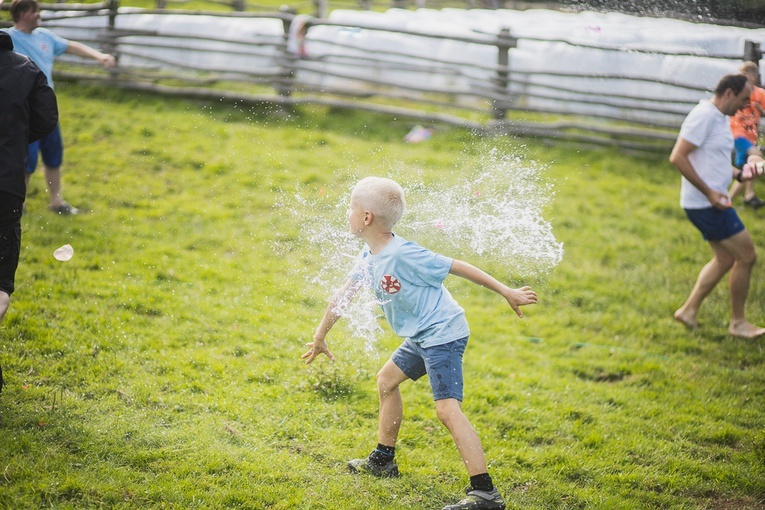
[377, 241]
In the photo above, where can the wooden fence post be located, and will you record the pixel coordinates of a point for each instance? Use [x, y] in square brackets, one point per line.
[504, 43]
[752, 52]
[110, 46]
[286, 82]
[322, 8]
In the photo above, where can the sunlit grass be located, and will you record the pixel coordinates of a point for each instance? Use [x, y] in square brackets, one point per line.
[160, 368]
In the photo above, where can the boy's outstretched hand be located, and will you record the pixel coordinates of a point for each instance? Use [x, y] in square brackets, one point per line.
[316, 347]
[520, 297]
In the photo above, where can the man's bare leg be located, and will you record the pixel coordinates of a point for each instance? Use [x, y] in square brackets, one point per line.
[708, 278]
[742, 248]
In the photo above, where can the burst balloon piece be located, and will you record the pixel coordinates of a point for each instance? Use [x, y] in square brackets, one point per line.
[64, 253]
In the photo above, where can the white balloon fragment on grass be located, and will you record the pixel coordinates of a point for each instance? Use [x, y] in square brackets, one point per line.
[64, 254]
[490, 213]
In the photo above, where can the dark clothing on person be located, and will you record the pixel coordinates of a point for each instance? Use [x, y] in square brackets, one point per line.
[28, 111]
[10, 240]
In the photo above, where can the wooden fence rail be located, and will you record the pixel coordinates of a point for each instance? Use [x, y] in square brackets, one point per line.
[317, 64]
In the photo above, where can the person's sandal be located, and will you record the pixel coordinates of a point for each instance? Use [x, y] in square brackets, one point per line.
[64, 209]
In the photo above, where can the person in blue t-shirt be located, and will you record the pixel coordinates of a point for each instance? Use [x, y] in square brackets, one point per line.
[407, 280]
[42, 46]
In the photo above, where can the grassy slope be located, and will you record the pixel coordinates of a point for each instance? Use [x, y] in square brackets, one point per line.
[159, 368]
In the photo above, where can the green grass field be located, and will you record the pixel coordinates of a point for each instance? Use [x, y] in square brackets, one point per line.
[160, 367]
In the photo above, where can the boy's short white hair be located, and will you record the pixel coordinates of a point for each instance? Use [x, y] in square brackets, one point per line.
[383, 197]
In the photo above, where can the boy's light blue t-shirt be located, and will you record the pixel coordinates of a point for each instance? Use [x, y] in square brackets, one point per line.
[407, 280]
[42, 46]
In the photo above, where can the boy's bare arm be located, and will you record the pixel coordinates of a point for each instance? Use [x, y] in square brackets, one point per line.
[341, 298]
[83, 50]
[515, 297]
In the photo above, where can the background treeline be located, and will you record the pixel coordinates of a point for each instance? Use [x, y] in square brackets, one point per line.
[750, 12]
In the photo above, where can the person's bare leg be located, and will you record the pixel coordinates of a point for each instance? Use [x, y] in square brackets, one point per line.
[742, 248]
[468, 443]
[391, 405]
[53, 179]
[736, 189]
[749, 190]
[708, 278]
[5, 301]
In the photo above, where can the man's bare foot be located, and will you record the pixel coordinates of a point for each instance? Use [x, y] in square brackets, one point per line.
[745, 330]
[687, 319]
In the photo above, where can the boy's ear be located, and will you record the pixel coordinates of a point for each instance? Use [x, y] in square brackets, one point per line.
[368, 217]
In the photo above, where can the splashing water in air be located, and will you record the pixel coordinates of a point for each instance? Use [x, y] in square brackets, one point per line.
[495, 213]
[491, 212]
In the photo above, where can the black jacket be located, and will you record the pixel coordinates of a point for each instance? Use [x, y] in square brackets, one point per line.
[28, 111]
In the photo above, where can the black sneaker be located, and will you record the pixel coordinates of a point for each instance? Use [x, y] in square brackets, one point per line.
[479, 500]
[754, 202]
[387, 470]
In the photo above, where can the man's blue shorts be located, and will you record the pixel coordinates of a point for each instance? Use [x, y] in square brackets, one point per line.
[715, 224]
[442, 363]
[741, 147]
[51, 146]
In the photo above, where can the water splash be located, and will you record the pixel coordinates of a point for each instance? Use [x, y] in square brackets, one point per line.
[323, 224]
[494, 212]
[491, 211]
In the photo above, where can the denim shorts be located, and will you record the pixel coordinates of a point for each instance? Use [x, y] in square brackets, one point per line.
[715, 224]
[51, 146]
[10, 240]
[442, 364]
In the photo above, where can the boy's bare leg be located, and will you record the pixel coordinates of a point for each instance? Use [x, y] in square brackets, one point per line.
[53, 179]
[391, 405]
[708, 278]
[468, 443]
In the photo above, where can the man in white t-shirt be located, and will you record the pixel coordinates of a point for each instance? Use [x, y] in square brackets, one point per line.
[702, 154]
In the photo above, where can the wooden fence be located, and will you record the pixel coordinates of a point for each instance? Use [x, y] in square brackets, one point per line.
[249, 65]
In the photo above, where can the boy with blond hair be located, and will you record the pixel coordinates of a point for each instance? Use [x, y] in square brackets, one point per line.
[407, 280]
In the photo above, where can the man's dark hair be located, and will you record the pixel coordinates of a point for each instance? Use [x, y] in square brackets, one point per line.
[19, 7]
[735, 82]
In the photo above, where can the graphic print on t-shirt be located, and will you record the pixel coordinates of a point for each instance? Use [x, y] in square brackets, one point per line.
[390, 284]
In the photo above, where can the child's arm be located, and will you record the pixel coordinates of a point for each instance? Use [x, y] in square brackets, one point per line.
[336, 304]
[515, 297]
